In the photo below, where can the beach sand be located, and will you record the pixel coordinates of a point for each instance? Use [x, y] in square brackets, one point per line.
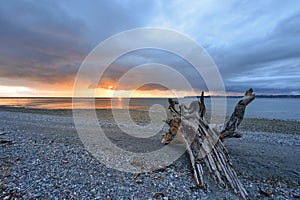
[48, 160]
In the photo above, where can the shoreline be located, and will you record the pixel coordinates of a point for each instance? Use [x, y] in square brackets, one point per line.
[248, 124]
[47, 160]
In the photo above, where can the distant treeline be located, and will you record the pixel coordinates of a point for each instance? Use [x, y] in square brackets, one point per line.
[257, 96]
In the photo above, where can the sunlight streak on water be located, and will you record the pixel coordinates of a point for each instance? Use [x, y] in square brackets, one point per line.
[270, 108]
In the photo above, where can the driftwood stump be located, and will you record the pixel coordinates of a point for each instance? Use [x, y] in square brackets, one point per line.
[204, 145]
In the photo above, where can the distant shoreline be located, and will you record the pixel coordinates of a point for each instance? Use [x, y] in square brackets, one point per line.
[248, 124]
[269, 108]
[257, 96]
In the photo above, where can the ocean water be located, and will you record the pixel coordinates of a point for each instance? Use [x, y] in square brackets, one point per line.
[270, 108]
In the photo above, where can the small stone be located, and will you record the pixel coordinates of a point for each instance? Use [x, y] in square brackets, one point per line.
[162, 176]
[6, 198]
[93, 190]
[65, 161]
[158, 194]
[266, 192]
[139, 181]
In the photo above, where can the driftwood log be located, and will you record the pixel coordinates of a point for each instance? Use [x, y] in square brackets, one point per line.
[230, 128]
[204, 145]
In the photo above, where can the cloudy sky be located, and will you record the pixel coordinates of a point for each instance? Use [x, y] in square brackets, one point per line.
[253, 43]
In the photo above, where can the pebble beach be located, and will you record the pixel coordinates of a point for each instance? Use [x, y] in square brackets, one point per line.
[42, 157]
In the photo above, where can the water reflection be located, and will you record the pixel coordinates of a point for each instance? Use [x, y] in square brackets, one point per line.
[271, 108]
[82, 103]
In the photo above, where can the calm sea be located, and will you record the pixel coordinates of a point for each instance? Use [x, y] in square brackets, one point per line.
[270, 108]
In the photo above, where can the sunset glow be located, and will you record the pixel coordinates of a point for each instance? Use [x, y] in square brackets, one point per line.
[110, 87]
[14, 91]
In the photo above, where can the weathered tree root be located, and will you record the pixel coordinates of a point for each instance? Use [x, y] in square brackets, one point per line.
[204, 145]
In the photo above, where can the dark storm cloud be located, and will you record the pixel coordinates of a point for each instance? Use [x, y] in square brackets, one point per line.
[39, 41]
[107, 17]
[254, 43]
[151, 56]
[47, 40]
[255, 61]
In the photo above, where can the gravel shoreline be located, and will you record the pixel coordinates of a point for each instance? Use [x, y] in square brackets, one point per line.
[47, 160]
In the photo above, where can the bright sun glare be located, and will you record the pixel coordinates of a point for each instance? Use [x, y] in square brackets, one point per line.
[110, 87]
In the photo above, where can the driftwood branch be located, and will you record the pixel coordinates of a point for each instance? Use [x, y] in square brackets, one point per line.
[206, 151]
[230, 129]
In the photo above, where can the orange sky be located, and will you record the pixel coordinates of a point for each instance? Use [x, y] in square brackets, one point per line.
[67, 91]
[107, 89]
[63, 91]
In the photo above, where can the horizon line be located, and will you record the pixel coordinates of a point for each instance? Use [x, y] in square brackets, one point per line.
[162, 97]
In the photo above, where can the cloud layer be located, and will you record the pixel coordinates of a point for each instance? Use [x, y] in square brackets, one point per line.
[254, 43]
